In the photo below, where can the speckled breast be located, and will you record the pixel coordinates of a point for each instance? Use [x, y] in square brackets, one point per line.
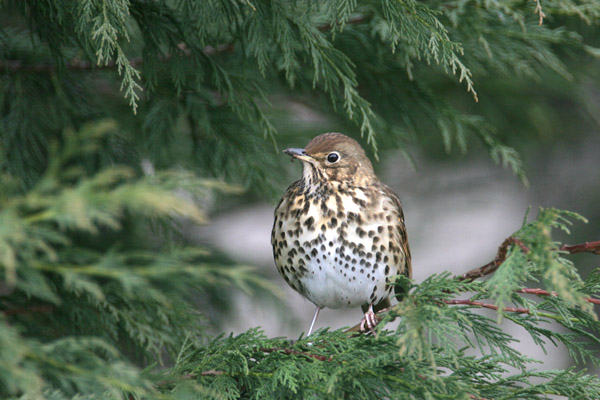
[338, 245]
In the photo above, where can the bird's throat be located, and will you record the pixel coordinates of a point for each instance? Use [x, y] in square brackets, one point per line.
[312, 176]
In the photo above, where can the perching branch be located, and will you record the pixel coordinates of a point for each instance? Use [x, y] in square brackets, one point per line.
[492, 266]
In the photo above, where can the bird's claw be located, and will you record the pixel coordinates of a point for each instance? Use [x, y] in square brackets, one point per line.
[369, 321]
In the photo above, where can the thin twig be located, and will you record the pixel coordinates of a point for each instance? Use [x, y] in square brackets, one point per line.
[587, 247]
[84, 65]
[28, 310]
[136, 62]
[539, 11]
[493, 265]
[356, 20]
[210, 372]
[487, 305]
[471, 396]
[213, 372]
[295, 352]
[542, 292]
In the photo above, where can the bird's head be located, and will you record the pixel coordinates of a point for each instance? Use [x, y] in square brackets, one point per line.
[334, 157]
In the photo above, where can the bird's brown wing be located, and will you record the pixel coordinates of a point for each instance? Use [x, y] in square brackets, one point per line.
[402, 240]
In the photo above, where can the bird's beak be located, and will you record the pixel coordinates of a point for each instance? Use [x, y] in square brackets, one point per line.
[299, 154]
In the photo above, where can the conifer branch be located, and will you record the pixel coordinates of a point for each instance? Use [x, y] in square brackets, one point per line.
[101, 279]
[351, 21]
[84, 65]
[487, 305]
[587, 247]
[211, 372]
[295, 352]
[28, 310]
[136, 62]
[539, 11]
[519, 310]
[492, 266]
[542, 292]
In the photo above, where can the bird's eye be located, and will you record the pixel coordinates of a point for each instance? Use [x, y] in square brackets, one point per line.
[333, 157]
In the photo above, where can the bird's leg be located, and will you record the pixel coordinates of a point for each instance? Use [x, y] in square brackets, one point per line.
[369, 320]
[312, 324]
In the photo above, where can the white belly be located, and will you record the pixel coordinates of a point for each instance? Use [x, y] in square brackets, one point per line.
[338, 274]
[336, 263]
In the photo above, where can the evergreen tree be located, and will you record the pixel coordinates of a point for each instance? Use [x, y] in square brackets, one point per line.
[122, 120]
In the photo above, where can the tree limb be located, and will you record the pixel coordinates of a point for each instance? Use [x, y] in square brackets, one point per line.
[587, 247]
[542, 292]
[492, 266]
[295, 352]
[487, 305]
[136, 62]
[28, 310]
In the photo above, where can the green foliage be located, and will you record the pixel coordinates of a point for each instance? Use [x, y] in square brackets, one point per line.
[539, 259]
[201, 75]
[99, 295]
[440, 349]
[112, 110]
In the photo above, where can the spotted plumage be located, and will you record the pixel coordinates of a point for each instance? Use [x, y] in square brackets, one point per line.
[339, 234]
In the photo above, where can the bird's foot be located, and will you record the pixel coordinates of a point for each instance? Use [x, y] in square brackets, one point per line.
[369, 321]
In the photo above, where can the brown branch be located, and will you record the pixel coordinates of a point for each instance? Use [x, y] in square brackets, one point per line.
[487, 305]
[542, 292]
[213, 372]
[593, 247]
[290, 351]
[356, 20]
[587, 247]
[295, 352]
[28, 310]
[378, 317]
[471, 396]
[136, 62]
[73, 65]
[84, 65]
[537, 291]
[210, 372]
[493, 265]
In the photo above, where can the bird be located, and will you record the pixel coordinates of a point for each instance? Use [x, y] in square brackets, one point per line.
[339, 236]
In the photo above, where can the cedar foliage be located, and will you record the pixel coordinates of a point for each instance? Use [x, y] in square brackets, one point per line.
[122, 119]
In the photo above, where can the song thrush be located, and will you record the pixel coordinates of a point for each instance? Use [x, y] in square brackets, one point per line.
[339, 235]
